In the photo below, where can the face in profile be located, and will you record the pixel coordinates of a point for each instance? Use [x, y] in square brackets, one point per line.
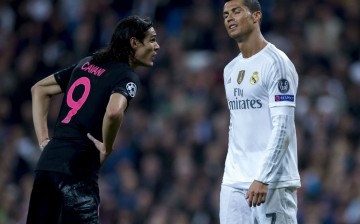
[145, 51]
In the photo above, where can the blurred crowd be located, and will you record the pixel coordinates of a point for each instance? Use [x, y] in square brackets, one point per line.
[169, 157]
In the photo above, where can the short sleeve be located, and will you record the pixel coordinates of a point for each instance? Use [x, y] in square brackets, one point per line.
[62, 77]
[128, 86]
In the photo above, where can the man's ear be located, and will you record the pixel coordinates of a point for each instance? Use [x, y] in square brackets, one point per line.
[134, 43]
[256, 16]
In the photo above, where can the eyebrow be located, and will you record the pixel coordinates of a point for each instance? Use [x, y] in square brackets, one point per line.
[152, 36]
[232, 9]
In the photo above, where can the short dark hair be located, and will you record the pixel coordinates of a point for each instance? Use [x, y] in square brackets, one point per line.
[119, 48]
[253, 5]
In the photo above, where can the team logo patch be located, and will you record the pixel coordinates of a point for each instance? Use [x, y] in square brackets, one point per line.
[131, 88]
[254, 78]
[283, 85]
[240, 77]
[289, 98]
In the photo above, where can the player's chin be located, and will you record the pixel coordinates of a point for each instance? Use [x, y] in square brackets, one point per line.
[233, 35]
[149, 63]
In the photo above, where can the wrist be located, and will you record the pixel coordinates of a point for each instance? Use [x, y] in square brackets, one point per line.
[262, 182]
[43, 140]
[43, 143]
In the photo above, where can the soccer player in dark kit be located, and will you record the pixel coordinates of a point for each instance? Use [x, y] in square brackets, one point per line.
[97, 90]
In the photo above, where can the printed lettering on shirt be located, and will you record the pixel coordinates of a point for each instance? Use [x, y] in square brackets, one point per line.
[245, 104]
[289, 98]
[238, 92]
[92, 69]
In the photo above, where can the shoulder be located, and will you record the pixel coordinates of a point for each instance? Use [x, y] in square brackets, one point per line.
[280, 67]
[124, 72]
[276, 60]
[276, 55]
[119, 69]
[85, 59]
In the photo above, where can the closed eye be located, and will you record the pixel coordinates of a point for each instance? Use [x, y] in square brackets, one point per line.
[236, 10]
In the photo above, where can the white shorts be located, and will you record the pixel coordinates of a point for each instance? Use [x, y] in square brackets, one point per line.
[280, 207]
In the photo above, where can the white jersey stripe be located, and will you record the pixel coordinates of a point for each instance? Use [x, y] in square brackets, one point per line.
[280, 62]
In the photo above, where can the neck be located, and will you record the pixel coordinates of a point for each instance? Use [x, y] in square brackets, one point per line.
[132, 63]
[252, 45]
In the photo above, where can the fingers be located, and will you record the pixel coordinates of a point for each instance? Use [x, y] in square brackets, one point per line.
[44, 143]
[263, 198]
[255, 199]
[97, 143]
[250, 200]
[91, 137]
[260, 200]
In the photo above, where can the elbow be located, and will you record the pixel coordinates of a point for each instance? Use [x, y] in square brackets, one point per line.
[35, 89]
[114, 113]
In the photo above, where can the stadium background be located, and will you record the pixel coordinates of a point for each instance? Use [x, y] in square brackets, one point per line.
[169, 157]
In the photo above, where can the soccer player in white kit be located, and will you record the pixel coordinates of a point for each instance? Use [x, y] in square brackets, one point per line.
[261, 175]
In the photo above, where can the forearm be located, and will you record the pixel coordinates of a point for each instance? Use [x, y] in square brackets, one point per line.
[40, 109]
[283, 126]
[41, 94]
[111, 125]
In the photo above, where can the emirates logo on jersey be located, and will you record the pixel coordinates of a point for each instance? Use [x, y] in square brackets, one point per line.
[240, 77]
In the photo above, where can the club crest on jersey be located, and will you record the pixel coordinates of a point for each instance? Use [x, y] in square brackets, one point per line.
[254, 78]
[240, 77]
[283, 85]
[131, 88]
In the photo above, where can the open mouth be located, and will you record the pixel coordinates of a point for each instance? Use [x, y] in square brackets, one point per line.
[232, 26]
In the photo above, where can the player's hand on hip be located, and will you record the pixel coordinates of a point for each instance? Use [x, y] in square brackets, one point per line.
[100, 146]
[44, 143]
[256, 194]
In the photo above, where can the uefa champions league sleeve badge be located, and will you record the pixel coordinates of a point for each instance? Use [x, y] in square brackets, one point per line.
[131, 88]
[283, 86]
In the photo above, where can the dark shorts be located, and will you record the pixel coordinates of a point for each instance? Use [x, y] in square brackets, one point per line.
[59, 198]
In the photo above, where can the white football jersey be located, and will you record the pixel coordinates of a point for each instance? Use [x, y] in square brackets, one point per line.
[254, 85]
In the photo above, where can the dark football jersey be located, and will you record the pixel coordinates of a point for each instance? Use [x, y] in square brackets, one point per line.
[87, 88]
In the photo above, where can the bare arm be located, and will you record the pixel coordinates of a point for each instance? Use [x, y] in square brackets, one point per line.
[111, 123]
[112, 120]
[41, 94]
